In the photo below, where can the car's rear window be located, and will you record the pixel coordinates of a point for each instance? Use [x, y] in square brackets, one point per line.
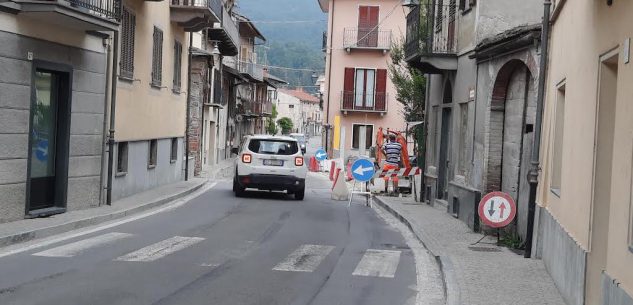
[273, 147]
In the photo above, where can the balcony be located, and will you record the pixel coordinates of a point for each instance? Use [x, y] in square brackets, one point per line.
[251, 70]
[267, 107]
[86, 15]
[226, 33]
[195, 15]
[367, 39]
[431, 43]
[362, 102]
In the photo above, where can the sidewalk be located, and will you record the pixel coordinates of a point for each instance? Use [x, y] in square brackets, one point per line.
[474, 274]
[29, 229]
[221, 171]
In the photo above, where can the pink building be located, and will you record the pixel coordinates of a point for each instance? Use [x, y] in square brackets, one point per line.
[358, 91]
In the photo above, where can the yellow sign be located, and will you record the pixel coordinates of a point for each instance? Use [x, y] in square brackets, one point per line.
[337, 132]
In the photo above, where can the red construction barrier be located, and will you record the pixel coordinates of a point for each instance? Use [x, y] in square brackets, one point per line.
[348, 170]
[338, 171]
[332, 168]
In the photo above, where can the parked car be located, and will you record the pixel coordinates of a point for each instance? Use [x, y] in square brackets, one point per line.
[273, 163]
[301, 138]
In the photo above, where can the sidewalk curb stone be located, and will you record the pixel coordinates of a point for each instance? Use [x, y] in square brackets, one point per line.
[90, 221]
[446, 265]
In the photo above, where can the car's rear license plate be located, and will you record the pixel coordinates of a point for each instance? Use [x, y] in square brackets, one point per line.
[274, 162]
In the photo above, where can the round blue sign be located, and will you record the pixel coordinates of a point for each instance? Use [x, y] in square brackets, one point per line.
[362, 170]
[320, 154]
[41, 151]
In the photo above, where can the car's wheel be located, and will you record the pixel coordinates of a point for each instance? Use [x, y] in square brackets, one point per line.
[238, 189]
[299, 194]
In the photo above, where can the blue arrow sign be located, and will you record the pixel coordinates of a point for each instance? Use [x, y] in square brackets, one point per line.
[320, 154]
[362, 170]
[41, 152]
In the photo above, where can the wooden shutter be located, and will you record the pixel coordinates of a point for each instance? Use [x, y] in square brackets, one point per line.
[157, 58]
[363, 16]
[381, 90]
[348, 88]
[177, 66]
[128, 28]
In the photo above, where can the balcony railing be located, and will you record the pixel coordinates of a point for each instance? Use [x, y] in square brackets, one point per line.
[254, 70]
[195, 15]
[431, 29]
[367, 38]
[267, 107]
[352, 101]
[230, 28]
[108, 9]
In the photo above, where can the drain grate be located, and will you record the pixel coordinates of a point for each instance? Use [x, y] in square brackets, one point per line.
[484, 249]
[392, 246]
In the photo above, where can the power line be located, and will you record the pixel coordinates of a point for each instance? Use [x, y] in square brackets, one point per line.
[283, 21]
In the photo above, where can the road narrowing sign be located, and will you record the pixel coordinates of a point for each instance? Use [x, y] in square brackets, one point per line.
[497, 209]
[362, 170]
[320, 154]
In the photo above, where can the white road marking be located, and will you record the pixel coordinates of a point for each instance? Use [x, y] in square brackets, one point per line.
[160, 249]
[40, 243]
[305, 259]
[380, 263]
[72, 249]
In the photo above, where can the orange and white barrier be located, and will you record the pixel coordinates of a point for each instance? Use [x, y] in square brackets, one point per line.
[402, 172]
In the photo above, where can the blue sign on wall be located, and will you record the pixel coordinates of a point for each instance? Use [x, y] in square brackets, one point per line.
[320, 154]
[41, 152]
[362, 170]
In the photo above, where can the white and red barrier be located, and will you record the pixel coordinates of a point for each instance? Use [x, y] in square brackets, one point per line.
[402, 172]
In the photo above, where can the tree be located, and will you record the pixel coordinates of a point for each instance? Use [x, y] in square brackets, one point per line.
[410, 84]
[271, 127]
[286, 125]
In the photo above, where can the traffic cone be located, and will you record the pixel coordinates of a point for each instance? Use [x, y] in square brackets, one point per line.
[348, 170]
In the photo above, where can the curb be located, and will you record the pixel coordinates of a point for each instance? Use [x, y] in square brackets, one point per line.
[451, 289]
[17, 238]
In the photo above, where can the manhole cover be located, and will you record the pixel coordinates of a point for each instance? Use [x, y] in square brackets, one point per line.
[484, 249]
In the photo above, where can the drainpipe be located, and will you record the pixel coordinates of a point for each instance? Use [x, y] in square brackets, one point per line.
[187, 124]
[534, 170]
[114, 75]
[329, 79]
[425, 136]
[107, 42]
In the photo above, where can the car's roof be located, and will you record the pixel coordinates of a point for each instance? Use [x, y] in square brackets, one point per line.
[269, 137]
[297, 134]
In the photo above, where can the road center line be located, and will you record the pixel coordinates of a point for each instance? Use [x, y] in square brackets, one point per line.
[305, 259]
[72, 249]
[380, 263]
[160, 249]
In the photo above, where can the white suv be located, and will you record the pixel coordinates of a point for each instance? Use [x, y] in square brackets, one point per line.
[273, 163]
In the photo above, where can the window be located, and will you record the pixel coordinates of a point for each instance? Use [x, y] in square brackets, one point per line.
[121, 158]
[557, 156]
[466, 5]
[174, 150]
[273, 147]
[291, 106]
[368, 26]
[364, 87]
[153, 149]
[177, 66]
[439, 15]
[463, 155]
[128, 28]
[157, 58]
[369, 135]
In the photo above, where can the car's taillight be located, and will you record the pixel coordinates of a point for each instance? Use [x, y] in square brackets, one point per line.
[247, 158]
[299, 161]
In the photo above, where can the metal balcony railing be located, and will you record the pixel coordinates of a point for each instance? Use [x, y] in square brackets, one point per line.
[230, 27]
[108, 9]
[367, 38]
[352, 101]
[431, 29]
[213, 5]
[254, 70]
[267, 107]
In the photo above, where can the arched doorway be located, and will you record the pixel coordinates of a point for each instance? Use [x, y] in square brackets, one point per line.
[512, 112]
[445, 135]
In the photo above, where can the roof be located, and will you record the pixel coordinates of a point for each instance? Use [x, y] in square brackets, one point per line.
[243, 20]
[324, 5]
[269, 137]
[508, 41]
[301, 95]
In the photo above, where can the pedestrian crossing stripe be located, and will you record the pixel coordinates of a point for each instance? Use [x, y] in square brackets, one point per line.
[160, 249]
[306, 258]
[378, 263]
[72, 249]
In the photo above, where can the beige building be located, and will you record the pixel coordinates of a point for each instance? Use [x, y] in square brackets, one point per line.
[585, 189]
[359, 96]
[302, 108]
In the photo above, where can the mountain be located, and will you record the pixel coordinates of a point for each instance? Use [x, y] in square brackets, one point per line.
[293, 31]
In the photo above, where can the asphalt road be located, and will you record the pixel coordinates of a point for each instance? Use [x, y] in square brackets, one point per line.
[217, 249]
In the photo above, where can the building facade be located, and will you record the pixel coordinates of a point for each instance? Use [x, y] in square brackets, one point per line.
[302, 108]
[53, 88]
[585, 214]
[481, 63]
[359, 94]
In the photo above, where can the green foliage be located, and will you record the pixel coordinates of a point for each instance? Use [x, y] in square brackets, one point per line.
[286, 125]
[511, 240]
[410, 83]
[296, 55]
[271, 127]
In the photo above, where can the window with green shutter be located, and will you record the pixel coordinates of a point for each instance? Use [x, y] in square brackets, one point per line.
[128, 28]
[177, 66]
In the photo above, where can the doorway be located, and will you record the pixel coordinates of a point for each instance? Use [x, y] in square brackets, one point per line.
[445, 135]
[49, 135]
[603, 165]
[211, 151]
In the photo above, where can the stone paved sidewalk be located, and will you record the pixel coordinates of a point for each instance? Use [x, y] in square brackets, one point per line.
[474, 274]
[29, 229]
